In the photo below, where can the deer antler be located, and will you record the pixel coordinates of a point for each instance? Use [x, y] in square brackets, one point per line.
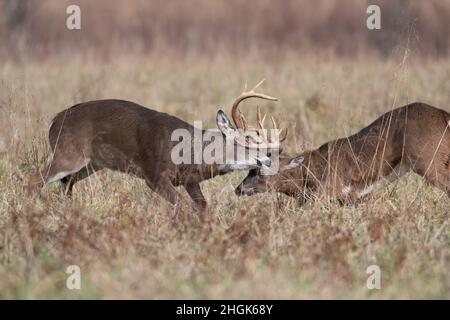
[237, 115]
[262, 131]
[241, 122]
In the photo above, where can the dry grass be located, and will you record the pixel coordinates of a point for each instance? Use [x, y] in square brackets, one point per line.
[264, 246]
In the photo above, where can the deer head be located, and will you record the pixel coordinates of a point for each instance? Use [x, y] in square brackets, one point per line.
[254, 141]
[262, 178]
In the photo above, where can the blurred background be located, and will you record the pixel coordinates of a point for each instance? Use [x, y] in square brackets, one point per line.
[272, 29]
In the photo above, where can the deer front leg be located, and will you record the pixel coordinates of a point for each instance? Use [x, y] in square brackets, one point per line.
[195, 192]
[164, 187]
[69, 181]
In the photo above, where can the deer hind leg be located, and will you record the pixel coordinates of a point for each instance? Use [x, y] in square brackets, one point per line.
[396, 173]
[57, 170]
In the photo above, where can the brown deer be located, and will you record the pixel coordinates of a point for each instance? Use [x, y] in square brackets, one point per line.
[415, 137]
[124, 136]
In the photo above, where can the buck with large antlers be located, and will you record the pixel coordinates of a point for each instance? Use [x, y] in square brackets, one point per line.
[124, 136]
[415, 138]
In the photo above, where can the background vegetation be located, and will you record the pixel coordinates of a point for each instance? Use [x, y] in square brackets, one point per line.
[188, 58]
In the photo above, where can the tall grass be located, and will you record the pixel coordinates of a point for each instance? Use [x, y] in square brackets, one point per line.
[265, 246]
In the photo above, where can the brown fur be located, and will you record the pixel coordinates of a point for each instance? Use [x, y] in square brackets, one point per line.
[414, 137]
[123, 136]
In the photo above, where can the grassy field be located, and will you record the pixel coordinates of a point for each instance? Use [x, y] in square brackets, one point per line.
[264, 246]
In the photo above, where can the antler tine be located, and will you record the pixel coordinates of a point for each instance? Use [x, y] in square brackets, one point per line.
[263, 119]
[259, 95]
[235, 112]
[259, 83]
[283, 136]
[282, 133]
[274, 124]
[244, 122]
[258, 116]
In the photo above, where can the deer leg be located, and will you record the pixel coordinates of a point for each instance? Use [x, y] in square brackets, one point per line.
[396, 173]
[164, 187]
[57, 170]
[69, 181]
[440, 180]
[195, 192]
[436, 175]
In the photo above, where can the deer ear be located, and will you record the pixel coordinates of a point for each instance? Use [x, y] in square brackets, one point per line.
[224, 123]
[294, 163]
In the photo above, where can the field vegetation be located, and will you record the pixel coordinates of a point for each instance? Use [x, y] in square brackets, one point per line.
[123, 236]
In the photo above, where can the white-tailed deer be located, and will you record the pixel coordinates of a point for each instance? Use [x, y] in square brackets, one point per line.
[124, 136]
[415, 137]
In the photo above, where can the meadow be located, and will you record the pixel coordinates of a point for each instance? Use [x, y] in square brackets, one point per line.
[265, 246]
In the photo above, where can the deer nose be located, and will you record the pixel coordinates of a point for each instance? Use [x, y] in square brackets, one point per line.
[243, 191]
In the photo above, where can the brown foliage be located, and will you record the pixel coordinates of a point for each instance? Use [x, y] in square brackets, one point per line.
[201, 27]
